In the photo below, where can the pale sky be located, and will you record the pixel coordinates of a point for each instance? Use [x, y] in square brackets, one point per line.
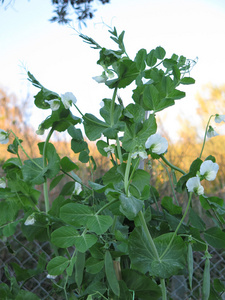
[60, 60]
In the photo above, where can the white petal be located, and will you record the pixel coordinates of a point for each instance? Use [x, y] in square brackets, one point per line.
[30, 220]
[194, 185]
[68, 99]
[157, 144]
[2, 183]
[51, 276]
[209, 170]
[219, 118]
[77, 188]
[4, 137]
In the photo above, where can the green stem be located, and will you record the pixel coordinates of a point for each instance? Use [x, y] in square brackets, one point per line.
[126, 176]
[119, 149]
[112, 107]
[180, 223]
[45, 184]
[25, 151]
[134, 169]
[90, 120]
[163, 288]
[206, 130]
[106, 205]
[148, 235]
[171, 165]
[171, 184]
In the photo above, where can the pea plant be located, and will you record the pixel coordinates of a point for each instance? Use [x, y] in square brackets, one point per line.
[113, 238]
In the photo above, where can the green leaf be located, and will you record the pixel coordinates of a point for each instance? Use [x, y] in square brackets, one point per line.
[187, 80]
[25, 295]
[101, 145]
[140, 179]
[167, 203]
[77, 146]
[130, 206]
[110, 274]
[151, 58]
[67, 164]
[64, 236]
[75, 214]
[79, 267]
[99, 224]
[57, 265]
[84, 156]
[93, 265]
[33, 171]
[136, 137]
[56, 181]
[140, 59]
[10, 228]
[195, 220]
[8, 211]
[145, 288]
[215, 237]
[105, 112]
[168, 265]
[93, 127]
[154, 101]
[53, 159]
[85, 241]
[219, 285]
[75, 133]
[160, 52]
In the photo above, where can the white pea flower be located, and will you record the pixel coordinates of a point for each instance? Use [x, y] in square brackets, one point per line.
[211, 132]
[102, 104]
[157, 144]
[100, 79]
[4, 137]
[40, 130]
[194, 185]
[30, 220]
[51, 276]
[109, 150]
[219, 118]
[2, 183]
[141, 154]
[68, 99]
[54, 104]
[77, 188]
[209, 170]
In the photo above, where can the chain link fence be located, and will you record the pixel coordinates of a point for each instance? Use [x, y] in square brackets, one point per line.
[18, 250]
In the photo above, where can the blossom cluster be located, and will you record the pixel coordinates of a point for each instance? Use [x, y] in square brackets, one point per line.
[208, 170]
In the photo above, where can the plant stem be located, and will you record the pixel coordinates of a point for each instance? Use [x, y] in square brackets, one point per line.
[206, 130]
[106, 205]
[171, 184]
[148, 235]
[175, 232]
[171, 165]
[25, 151]
[45, 184]
[112, 107]
[119, 149]
[134, 168]
[163, 288]
[126, 176]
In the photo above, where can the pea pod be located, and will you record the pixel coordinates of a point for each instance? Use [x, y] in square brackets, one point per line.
[79, 268]
[111, 274]
[206, 280]
[190, 264]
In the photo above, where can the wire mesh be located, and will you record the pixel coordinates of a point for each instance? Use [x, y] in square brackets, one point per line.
[17, 249]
